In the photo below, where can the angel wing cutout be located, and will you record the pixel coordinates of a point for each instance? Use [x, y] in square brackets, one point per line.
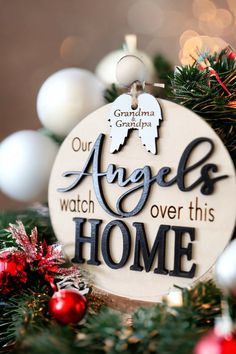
[150, 132]
[146, 119]
[118, 134]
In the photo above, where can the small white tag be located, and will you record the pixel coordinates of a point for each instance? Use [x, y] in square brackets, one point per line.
[146, 119]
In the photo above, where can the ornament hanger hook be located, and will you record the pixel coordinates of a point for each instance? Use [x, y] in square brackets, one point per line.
[131, 72]
[134, 91]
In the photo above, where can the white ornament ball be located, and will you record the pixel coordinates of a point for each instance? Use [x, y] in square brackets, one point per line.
[66, 97]
[130, 69]
[26, 159]
[225, 269]
[106, 68]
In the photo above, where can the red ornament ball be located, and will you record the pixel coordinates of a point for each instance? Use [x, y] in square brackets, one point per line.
[12, 270]
[228, 345]
[210, 343]
[231, 55]
[67, 306]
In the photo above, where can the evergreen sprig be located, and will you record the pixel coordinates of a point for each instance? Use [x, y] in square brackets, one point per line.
[35, 216]
[27, 328]
[160, 329]
[201, 92]
[164, 69]
[112, 93]
[21, 315]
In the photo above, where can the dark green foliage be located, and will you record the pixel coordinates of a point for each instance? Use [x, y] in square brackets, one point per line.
[201, 304]
[56, 138]
[203, 94]
[26, 327]
[159, 329]
[232, 306]
[163, 71]
[30, 217]
[22, 314]
[112, 93]
[100, 333]
[54, 340]
[163, 67]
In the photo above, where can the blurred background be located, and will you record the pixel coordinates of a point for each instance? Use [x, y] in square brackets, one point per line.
[39, 37]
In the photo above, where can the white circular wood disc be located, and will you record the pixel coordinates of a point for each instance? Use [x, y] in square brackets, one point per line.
[212, 216]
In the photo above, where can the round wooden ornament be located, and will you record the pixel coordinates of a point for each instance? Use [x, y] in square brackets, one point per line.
[143, 199]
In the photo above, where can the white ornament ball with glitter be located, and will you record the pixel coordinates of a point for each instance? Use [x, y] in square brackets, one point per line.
[106, 68]
[26, 159]
[68, 96]
[225, 269]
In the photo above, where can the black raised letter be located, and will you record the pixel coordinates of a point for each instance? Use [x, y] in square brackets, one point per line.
[183, 251]
[106, 244]
[141, 245]
[80, 240]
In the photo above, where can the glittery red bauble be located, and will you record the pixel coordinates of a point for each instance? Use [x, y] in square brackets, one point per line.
[209, 344]
[67, 306]
[12, 270]
[228, 345]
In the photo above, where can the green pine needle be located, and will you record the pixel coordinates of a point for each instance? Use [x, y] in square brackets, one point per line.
[159, 329]
[31, 217]
[111, 93]
[21, 315]
[27, 328]
[204, 95]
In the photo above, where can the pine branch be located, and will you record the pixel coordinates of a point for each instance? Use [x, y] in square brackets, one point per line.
[203, 94]
[159, 329]
[31, 217]
[163, 71]
[54, 340]
[163, 67]
[100, 333]
[112, 93]
[21, 315]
